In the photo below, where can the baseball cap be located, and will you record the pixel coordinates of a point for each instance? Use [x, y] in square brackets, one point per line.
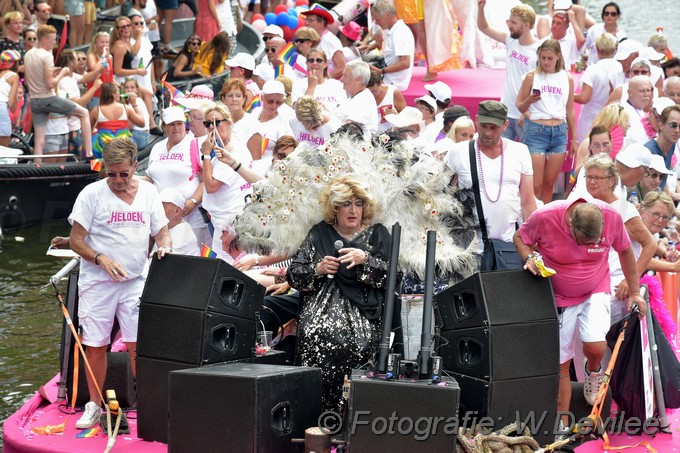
[440, 91]
[170, 195]
[659, 165]
[429, 100]
[635, 155]
[454, 112]
[273, 30]
[626, 48]
[172, 114]
[273, 87]
[407, 117]
[242, 60]
[650, 53]
[661, 104]
[352, 30]
[493, 112]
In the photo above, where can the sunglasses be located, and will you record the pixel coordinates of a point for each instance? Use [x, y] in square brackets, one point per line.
[271, 50]
[123, 27]
[215, 122]
[274, 101]
[673, 125]
[122, 174]
[47, 10]
[658, 176]
[138, 23]
[266, 38]
[195, 43]
[301, 41]
[610, 13]
[316, 60]
[31, 39]
[81, 59]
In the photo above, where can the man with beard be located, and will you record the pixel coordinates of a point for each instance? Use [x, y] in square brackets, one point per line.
[505, 173]
[521, 58]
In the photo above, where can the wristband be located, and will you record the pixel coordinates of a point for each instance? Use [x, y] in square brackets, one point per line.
[238, 167]
[529, 256]
[257, 260]
[96, 257]
[193, 200]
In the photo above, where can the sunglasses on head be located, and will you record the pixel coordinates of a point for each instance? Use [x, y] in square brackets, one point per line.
[209, 123]
[316, 60]
[271, 49]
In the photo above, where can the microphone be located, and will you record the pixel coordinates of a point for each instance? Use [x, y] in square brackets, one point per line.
[337, 245]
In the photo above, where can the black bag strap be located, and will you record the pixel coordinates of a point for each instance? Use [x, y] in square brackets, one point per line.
[475, 188]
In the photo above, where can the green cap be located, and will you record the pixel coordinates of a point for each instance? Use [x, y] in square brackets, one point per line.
[493, 112]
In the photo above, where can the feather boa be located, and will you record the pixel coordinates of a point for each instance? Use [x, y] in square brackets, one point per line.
[656, 303]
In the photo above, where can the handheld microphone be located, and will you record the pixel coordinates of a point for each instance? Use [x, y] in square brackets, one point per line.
[337, 245]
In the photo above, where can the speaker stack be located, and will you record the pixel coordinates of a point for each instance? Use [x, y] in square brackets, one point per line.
[500, 340]
[194, 311]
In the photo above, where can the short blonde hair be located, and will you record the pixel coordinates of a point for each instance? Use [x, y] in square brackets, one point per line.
[604, 162]
[307, 33]
[460, 123]
[308, 110]
[222, 110]
[287, 87]
[341, 189]
[661, 197]
[524, 12]
[12, 15]
[120, 150]
[606, 45]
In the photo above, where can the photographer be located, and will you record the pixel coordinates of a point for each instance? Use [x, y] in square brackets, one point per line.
[112, 118]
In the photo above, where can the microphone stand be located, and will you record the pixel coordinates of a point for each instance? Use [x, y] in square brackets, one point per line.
[426, 334]
[384, 345]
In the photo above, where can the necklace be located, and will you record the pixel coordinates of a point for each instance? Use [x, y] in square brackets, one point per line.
[481, 173]
[350, 237]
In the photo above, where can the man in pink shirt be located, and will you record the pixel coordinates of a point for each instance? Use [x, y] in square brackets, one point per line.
[574, 237]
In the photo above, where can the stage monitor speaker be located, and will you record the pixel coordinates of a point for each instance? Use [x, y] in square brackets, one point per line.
[502, 352]
[530, 400]
[202, 284]
[118, 377]
[242, 408]
[193, 336]
[496, 298]
[375, 401]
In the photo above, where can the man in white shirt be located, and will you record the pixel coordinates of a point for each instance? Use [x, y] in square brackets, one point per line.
[319, 18]
[399, 46]
[570, 42]
[521, 58]
[639, 101]
[360, 107]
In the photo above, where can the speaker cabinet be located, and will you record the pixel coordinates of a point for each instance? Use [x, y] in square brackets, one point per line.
[496, 298]
[118, 377]
[502, 352]
[193, 336]
[531, 400]
[242, 408]
[374, 401]
[202, 284]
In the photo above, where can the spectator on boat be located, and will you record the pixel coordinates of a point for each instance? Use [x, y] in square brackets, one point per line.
[399, 46]
[505, 172]
[626, 52]
[173, 163]
[666, 143]
[449, 117]
[319, 18]
[241, 66]
[15, 116]
[462, 130]
[9, 86]
[639, 67]
[75, 9]
[111, 118]
[652, 182]
[112, 221]
[287, 107]
[233, 95]
[212, 55]
[671, 88]
[312, 124]
[611, 12]
[143, 58]
[353, 299]
[81, 63]
[272, 124]
[184, 240]
[265, 70]
[441, 93]
[656, 210]
[152, 19]
[639, 102]
[521, 58]
[230, 20]
[224, 188]
[598, 141]
[42, 79]
[183, 66]
[574, 238]
[596, 84]
[428, 107]
[99, 60]
[329, 92]
[360, 107]
[570, 42]
[546, 99]
[208, 19]
[305, 39]
[388, 99]
[349, 35]
[671, 67]
[140, 134]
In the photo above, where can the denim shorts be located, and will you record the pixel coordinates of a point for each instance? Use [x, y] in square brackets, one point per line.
[541, 139]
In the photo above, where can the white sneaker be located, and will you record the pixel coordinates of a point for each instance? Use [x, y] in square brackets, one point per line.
[90, 416]
[591, 386]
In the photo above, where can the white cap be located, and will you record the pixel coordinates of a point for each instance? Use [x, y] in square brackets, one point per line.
[172, 114]
[273, 87]
[242, 60]
[561, 4]
[661, 104]
[429, 100]
[650, 53]
[273, 30]
[407, 117]
[440, 91]
[659, 165]
[626, 48]
[635, 155]
[170, 195]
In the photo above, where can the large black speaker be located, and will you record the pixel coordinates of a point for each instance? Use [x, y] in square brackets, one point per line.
[416, 404]
[496, 298]
[503, 352]
[202, 284]
[531, 400]
[242, 408]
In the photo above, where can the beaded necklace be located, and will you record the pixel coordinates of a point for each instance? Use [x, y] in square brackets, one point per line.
[481, 173]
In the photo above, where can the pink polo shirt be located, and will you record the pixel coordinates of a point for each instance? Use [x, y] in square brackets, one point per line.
[582, 270]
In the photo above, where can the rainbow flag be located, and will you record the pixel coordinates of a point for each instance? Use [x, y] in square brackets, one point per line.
[572, 173]
[299, 67]
[174, 92]
[254, 103]
[96, 164]
[207, 252]
[265, 144]
[278, 70]
[287, 54]
[92, 432]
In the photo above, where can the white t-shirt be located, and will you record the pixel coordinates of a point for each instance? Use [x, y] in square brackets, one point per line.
[317, 137]
[429, 134]
[141, 110]
[173, 169]
[119, 230]
[399, 41]
[554, 96]
[596, 76]
[144, 56]
[595, 32]
[570, 50]
[500, 216]
[330, 93]
[69, 85]
[386, 104]
[520, 60]
[57, 124]
[148, 12]
[636, 132]
[184, 240]
[329, 44]
[271, 131]
[245, 128]
[227, 22]
[362, 109]
[627, 211]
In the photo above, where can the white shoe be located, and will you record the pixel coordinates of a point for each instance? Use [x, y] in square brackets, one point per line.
[90, 416]
[591, 386]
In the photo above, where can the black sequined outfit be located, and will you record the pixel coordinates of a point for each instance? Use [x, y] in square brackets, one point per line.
[340, 318]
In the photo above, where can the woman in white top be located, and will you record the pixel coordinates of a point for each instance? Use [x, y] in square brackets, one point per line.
[428, 107]
[329, 92]
[387, 98]
[9, 84]
[271, 123]
[234, 95]
[546, 99]
[140, 134]
[610, 18]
